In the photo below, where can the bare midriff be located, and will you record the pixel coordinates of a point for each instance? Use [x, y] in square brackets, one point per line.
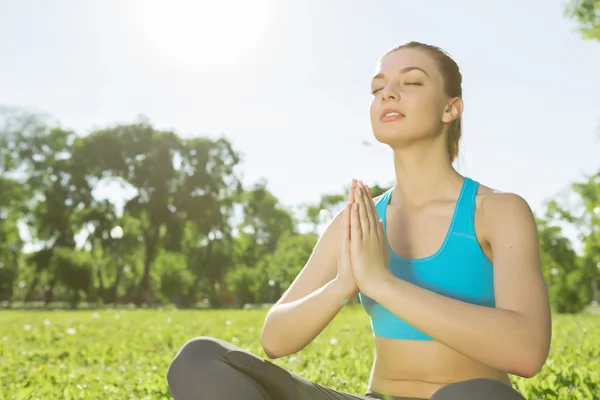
[419, 368]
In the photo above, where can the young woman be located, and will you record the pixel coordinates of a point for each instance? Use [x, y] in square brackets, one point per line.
[448, 269]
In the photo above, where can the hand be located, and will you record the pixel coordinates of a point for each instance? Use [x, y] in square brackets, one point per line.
[345, 277]
[369, 252]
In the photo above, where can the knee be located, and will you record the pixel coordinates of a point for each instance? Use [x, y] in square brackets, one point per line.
[202, 347]
[195, 354]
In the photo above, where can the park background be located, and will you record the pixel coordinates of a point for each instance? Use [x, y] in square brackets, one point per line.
[166, 168]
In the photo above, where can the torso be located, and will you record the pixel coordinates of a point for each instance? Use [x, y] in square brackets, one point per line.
[418, 368]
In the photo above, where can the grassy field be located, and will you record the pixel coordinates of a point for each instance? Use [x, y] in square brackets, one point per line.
[124, 354]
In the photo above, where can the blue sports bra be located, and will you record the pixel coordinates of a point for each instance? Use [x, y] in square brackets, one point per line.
[458, 269]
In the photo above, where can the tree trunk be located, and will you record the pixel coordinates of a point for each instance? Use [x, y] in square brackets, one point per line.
[49, 294]
[143, 292]
[32, 287]
[113, 293]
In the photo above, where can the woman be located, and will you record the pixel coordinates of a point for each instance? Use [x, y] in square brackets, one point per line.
[448, 324]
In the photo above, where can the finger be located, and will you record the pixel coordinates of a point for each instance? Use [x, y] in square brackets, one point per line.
[351, 192]
[371, 211]
[355, 229]
[362, 209]
[345, 238]
[344, 224]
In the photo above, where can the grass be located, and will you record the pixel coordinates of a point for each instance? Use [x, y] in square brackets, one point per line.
[120, 354]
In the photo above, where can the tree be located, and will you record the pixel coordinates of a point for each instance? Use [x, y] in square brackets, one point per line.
[587, 15]
[582, 209]
[73, 269]
[562, 270]
[40, 157]
[176, 182]
[265, 220]
[11, 243]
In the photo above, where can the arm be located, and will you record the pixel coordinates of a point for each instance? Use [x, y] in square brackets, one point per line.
[514, 336]
[315, 297]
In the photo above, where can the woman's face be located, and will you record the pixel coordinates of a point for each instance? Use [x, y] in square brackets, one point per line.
[408, 102]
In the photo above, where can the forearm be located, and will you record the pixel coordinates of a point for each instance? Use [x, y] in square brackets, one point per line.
[496, 337]
[290, 327]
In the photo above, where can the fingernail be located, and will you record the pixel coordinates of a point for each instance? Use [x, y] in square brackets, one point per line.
[353, 182]
[358, 192]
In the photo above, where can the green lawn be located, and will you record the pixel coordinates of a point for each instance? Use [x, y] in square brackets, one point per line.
[121, 354]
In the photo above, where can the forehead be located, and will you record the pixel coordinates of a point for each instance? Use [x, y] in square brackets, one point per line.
[392, 63]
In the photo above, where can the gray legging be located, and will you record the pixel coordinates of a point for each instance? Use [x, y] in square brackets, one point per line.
[209, 368]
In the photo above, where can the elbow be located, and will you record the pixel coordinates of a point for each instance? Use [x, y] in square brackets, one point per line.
[268, 348]
[269, 344]
[271, 354]
[530, 361]
[271, 349]
[527, 370]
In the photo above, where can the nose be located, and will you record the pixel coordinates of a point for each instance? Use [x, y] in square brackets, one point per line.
[388, 93]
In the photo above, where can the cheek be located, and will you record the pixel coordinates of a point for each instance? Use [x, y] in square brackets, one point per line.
[424, 106]
[373, 110]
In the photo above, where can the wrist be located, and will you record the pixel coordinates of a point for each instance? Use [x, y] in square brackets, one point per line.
[340, 291]
[378, 284]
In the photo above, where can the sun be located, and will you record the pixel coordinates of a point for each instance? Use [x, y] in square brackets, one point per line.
[202, 35]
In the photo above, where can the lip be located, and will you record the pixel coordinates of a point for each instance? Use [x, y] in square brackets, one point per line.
[383, 118]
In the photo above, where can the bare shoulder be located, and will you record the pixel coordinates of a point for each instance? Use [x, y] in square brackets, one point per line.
[493, 201]
[499, 210]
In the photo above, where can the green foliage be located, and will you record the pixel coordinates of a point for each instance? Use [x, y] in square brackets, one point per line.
[285, 263]
[246, 283]
[577, 277]
[11, 198]
[274, 273]
[8, 275]
[117, 354]
[567, 283]
[175, 277]
[587, 15]
[189, 230]
[73, 269]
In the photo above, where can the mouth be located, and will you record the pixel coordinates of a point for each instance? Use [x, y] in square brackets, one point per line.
[390, 114]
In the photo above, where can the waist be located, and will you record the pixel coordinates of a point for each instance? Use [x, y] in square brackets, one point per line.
[417, 369]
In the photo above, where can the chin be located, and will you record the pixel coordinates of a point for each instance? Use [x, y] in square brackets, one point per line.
[392, 138]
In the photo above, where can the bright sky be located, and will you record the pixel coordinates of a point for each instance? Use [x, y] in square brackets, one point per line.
[288, 82]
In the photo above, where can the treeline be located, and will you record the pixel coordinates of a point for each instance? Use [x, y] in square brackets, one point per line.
[192, 233]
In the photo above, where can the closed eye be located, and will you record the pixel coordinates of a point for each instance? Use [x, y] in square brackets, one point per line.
[374, 91]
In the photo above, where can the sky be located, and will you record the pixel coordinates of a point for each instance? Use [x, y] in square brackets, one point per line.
[287, 82]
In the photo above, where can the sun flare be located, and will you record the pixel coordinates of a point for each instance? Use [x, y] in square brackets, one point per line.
[202, 35]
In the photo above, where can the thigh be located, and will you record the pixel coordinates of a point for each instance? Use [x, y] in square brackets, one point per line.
[278, 382]
[478, 389]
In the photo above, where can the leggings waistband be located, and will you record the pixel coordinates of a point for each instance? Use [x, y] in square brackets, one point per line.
[378, 396]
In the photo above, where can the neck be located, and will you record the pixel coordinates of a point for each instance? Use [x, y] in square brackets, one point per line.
[422, 175]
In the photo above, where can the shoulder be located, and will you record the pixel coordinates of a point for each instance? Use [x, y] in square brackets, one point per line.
[502, 211]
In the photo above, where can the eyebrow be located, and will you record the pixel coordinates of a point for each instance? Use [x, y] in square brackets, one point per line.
[402, 71]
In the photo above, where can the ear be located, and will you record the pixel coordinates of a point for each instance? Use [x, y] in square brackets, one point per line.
[454, 110]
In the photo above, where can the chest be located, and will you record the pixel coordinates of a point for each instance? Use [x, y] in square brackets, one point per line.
[421, 232]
